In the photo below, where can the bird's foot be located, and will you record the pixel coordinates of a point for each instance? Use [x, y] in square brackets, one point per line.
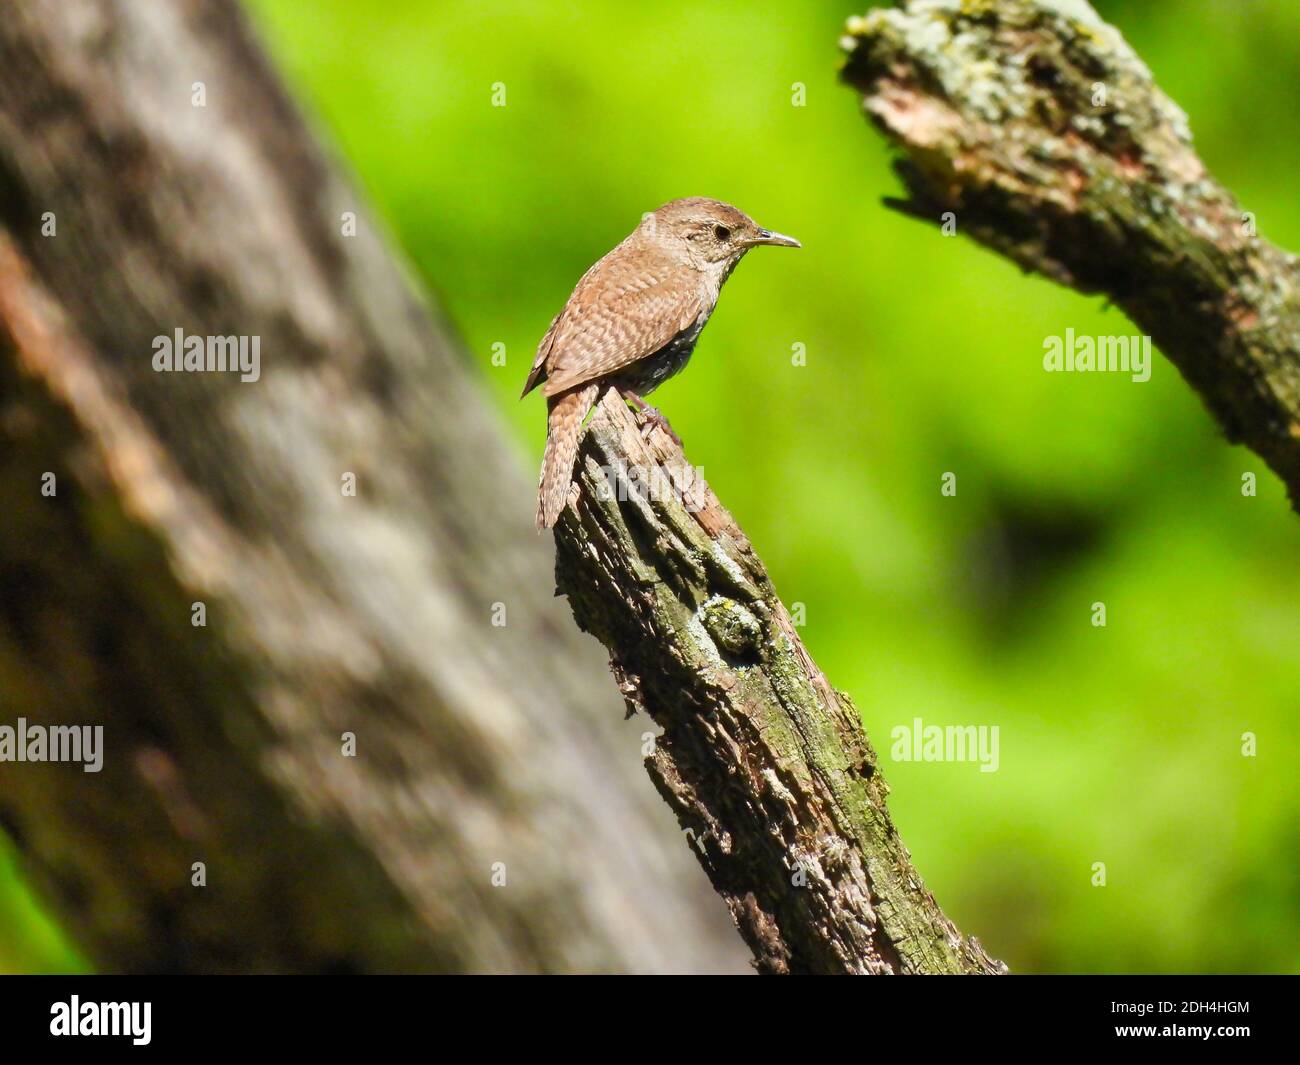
[651, 417]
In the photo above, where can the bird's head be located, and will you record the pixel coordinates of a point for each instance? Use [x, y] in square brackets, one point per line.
[709, 231]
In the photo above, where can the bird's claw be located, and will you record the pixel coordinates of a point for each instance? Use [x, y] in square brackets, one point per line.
[654, 419]
[651, 418]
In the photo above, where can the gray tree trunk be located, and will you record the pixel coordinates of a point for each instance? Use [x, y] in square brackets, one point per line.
[480, 748]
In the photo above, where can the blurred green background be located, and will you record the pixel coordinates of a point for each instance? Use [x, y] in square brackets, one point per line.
[1120, 744]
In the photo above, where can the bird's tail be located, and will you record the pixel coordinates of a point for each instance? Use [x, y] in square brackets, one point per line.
[563, 431]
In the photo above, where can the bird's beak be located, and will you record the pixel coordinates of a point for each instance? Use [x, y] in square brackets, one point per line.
[766, 236]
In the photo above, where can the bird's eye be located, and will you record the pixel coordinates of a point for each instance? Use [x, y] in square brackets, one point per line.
[722, 232]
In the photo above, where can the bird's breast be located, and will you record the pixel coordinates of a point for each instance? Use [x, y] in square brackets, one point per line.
[644, 376]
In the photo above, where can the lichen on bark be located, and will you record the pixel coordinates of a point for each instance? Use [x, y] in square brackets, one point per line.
[765, 764]
[1039, 132]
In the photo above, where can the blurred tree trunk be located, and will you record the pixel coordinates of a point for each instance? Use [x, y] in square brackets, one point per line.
[154, 177]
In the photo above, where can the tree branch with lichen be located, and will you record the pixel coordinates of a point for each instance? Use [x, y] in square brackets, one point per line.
[1045, 135]
[763, 762]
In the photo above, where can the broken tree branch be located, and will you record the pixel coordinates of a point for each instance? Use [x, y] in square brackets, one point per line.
[765, 764]
[1036, 125]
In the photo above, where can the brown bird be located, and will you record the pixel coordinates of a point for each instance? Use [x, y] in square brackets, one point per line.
[632, 322]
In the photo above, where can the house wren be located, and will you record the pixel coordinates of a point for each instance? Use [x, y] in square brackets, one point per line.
[632, 322]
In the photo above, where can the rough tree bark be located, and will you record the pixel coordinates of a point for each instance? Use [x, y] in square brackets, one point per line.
[326, 613]
[765, 764]
[1041, 130]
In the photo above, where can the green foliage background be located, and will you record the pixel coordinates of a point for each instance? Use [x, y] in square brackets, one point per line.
[1120, 744]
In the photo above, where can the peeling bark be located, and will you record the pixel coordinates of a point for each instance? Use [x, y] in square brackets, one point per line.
[766, 766]
[1047, 137]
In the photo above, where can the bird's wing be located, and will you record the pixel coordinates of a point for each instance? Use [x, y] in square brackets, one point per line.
[539, 363]
[605, 328]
